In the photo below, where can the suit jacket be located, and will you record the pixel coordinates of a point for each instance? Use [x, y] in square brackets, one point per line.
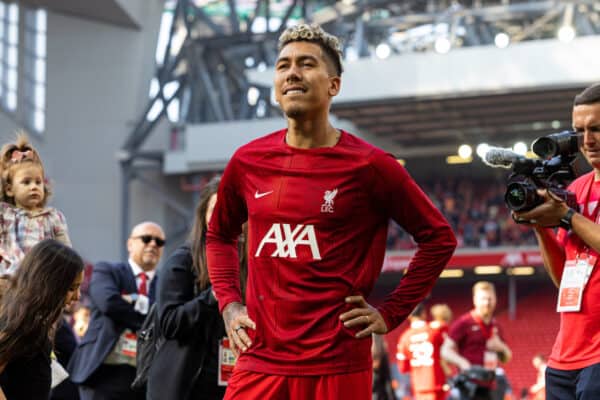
[192, 326]
[110, 316]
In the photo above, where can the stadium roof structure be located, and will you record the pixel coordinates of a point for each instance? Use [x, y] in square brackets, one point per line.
[214, 61]
[422, 76]
[124, 13]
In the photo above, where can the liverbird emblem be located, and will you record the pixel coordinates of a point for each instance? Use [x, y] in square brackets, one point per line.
[327, 206]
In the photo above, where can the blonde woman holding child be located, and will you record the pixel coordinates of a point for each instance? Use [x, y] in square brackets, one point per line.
[25, 219]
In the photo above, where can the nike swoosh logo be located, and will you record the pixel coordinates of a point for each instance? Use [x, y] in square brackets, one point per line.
[258, 195]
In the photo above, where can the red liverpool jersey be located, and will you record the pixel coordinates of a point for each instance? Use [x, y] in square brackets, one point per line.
[419, 353]
[577, 344]
[317, 226]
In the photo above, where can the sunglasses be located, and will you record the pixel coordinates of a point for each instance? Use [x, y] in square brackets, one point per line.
[148, 238]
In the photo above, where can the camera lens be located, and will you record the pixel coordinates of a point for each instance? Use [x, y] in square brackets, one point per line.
[565, 143]
[521, 196]
[545, 147]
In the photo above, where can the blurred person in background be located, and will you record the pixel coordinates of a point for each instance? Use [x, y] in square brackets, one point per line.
[318, 201]
[121, 295]
[81, 320]
[382, 374]
[46, 282]
[537, 391]
[418, 353]
[475, 338]
[441, 316]
[571, 259]
[189, 364]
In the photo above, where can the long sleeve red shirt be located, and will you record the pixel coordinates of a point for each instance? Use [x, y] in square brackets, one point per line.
[317, 227]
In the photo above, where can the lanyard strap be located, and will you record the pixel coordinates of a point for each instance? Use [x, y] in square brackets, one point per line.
[485, 330]
[581, 246]
[588, 193]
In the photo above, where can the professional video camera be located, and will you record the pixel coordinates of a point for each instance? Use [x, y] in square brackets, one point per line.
[464, 384]
[553, 171]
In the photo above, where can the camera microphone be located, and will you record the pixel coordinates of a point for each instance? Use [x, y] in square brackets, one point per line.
[498, 157]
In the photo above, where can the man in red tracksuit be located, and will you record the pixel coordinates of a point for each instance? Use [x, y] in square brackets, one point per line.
[317, 200]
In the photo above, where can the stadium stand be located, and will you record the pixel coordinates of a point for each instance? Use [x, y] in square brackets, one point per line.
[475, 208]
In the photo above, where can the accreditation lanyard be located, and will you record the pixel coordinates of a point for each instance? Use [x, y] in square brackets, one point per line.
[490, 358]
[486, 330]
[576, 273]
[582, 248]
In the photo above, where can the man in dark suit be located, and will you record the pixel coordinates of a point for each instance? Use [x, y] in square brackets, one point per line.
[121, 294]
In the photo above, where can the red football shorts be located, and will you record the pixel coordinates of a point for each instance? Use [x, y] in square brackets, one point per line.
[247, 385]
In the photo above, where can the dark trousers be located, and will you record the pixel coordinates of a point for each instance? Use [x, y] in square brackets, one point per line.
[111, 382]
[578, 384]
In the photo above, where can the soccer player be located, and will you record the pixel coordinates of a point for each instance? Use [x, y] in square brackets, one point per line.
[419, 353]
[318, 201]
[441, 316]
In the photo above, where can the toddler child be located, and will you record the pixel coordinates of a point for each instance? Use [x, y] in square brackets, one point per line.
[25, 219]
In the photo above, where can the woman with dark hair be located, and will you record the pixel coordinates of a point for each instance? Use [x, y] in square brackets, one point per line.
[46, 282]
[186, 365]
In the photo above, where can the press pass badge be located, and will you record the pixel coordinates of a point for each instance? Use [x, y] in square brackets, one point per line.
[226, 362]
[142, 304]
[126, 346]
[572, 284]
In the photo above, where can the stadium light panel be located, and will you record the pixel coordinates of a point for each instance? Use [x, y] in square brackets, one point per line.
[465, 151]
[501, 40]
[442, 45]
[521, 271]
[482, 149]
[566, 33]
[520, 148]
[488, 270]
[456, 159]
[452, 273]
[383, 51]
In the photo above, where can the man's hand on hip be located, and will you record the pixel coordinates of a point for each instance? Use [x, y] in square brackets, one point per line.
[237, 321]
[363, 315]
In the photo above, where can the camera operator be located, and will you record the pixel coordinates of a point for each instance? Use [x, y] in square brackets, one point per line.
[475, 338]
[570, 257]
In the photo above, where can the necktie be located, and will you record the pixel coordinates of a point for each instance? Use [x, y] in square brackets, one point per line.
[143, 288]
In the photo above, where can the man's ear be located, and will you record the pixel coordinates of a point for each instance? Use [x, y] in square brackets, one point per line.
[335, 83]
[129, 245]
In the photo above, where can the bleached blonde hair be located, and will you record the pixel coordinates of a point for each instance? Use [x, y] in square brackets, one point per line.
[330, 44]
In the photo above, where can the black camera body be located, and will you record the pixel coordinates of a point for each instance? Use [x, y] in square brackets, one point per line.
[553, 171]
[469, 380]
